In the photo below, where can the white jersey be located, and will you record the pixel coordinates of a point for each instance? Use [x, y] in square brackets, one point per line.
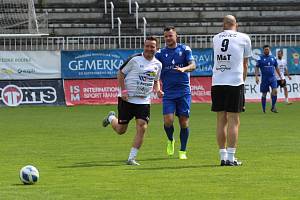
[140, 75]
[230, 49]
[282, 65]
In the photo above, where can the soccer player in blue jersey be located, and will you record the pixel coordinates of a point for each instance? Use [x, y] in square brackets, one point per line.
[177, 61]
[267, 64]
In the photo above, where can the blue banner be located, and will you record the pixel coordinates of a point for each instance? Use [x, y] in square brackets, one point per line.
[105, 63]
[204, 62]
[93, 64]
[290, 54]
[293, 60]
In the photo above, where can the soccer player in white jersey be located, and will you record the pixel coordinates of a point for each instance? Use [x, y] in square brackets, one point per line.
[282, 65]
[138, 77]
[231, 52]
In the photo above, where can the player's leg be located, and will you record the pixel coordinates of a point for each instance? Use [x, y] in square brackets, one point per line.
[273, 85]
[183, 106]
[119, 128]
[142, 115]
[232, 138]
[286, 93]
[141, 126]
[168, 112]
[221, 135]
[218, 105]
[233, 106]
[120, 124]
[113, 120]
[264, 89]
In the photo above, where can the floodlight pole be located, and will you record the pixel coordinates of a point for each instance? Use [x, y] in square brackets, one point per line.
[136, 14]
[129, 6]
[119, 30]
[145, 23]
[112, 14]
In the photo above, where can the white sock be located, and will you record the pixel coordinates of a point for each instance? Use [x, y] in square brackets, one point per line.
[230, 154]
[286, 100]
[110, 118]
[133, 153]
[223, 154]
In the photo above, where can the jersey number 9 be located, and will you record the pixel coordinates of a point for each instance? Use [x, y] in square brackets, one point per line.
[225, 44]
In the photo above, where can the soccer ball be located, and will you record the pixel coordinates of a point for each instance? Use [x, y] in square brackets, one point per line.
[29, 174]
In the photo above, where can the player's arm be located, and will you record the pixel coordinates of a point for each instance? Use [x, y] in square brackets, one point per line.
[256, 73]
[278, 71]
[245, 68]
[156, 86]
[121, 83]
[287, 73]
[156, 89]
[189, 68]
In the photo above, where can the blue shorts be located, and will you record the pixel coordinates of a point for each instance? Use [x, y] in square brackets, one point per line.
[266, 84]
[180, 106]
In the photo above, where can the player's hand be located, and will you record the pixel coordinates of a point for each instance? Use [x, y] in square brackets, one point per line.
[290, 78]
[160, 94]
[179, 69]
[124, 97]
[257, 80]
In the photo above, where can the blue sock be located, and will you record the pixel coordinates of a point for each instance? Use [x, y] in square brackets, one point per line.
[169, 131]
[274, 99]
[184, 135]
[263, 103]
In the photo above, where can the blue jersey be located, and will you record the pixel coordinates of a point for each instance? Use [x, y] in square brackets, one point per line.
[267, 65]
[175, 84]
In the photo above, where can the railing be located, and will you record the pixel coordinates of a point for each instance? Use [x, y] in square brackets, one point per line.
[32, 43]
[129, 42]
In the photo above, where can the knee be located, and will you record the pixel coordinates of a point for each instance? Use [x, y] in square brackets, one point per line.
[184, 123]
[121, 130]
[168, 123]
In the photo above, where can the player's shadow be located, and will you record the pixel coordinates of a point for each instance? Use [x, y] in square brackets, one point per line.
[21, 185]
[106, 163]
[174, 167]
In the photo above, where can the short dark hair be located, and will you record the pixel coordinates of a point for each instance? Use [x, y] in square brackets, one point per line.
[266, 46]
[169, 28]
[152, 38]
[280, 50]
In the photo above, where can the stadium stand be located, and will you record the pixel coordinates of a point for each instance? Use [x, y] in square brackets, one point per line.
[76, 24]
[75, 17]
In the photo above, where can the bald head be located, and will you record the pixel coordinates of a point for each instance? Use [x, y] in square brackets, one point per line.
[229, 22]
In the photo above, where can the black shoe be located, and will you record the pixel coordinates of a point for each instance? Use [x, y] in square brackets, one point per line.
[223, 163]
[234, 163]
[274, 110]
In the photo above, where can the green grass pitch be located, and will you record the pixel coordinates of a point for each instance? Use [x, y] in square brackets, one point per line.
[78, 159]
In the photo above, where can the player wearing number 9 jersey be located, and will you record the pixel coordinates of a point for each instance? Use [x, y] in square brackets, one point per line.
[231, 52]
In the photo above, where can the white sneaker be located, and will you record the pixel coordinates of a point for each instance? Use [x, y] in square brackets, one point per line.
[105, 121]
[132, 162]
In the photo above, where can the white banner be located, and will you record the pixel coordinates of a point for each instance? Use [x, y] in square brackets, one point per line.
[19, 65]
[253, 92]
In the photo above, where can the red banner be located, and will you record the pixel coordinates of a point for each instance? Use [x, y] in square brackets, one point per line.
[91, 91]
[105, 91]
[201, 89]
